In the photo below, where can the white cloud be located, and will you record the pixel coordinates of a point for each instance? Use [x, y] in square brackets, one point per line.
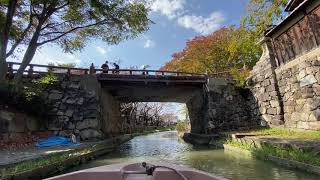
[101, 50]
[59, 58]
[200, 24]
[149, 44]
[71, 58]
[169, 8]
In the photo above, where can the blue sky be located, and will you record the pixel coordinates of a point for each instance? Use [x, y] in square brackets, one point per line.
[176, 21]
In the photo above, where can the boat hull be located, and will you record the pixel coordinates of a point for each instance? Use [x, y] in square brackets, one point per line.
[124, 172]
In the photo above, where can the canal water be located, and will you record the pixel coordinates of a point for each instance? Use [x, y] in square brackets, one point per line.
[167, 147]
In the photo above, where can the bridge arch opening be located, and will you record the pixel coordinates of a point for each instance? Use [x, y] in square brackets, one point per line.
[148, 116]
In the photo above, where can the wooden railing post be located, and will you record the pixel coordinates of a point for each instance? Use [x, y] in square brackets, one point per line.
[92, 69]
[10, 70]
[69, 71]
[30, 71]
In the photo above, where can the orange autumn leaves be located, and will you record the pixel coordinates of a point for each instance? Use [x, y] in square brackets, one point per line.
[222, 50]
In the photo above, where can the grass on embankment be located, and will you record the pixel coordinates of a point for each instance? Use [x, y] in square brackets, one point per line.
[268, 149]
[287, 133]
[57, 159]
[264, 151]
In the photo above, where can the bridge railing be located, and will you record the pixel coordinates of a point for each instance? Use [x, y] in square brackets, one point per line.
[42, 69]
[38, 69]
[147, 72]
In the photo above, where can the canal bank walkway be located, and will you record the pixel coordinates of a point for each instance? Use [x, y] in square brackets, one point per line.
[37, 163]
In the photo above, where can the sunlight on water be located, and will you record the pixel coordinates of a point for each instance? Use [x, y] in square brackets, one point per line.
[167, 147]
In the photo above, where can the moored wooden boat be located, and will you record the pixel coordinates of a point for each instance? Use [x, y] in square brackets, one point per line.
[138, 171]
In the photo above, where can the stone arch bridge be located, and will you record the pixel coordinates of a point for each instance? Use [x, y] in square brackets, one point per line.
[88, 101]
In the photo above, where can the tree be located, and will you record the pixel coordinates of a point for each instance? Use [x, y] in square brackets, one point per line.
[222, 50]
[184, 111]
[6, 18]
[141, 115]
[263, 13]
[229, 49]
[67, 65]
[201, 54]
[71, 24]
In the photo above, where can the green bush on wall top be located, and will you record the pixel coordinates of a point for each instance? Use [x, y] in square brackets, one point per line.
[27, 98]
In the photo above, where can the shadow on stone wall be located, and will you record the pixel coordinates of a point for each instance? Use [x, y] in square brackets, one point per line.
[230, 108]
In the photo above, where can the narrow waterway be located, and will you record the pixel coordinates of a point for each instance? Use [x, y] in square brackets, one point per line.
[167, 147]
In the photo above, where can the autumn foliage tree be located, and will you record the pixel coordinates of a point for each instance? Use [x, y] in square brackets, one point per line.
[229, 49]
[223, 50]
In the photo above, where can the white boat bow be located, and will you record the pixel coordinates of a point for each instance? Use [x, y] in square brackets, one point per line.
[138, 171]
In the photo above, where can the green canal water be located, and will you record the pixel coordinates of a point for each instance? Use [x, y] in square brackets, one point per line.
[167, 147]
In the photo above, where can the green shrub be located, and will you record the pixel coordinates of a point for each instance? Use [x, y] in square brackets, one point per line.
[240, 76]
[182, 126]
[46, 81]
[27, 98]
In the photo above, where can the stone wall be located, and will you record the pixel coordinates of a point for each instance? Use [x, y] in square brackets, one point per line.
[264, 87]
[197, 109]
[287, 96]
[222, 107]
[12, 121]
[112, 120]
[74, 110]
[299, 87]
[228, 107]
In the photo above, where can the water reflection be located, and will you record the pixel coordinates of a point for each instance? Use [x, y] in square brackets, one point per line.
[167, 147]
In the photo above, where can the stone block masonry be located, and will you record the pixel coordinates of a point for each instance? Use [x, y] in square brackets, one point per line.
[264, 87]
[299, 86]
[222, 107]
[285, 81]
[74, 110]
[76, 105]
[289, 95]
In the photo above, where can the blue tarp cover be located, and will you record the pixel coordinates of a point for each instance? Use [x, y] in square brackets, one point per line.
[56, 141]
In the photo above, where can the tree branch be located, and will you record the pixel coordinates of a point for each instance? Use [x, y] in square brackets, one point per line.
[53, 25]
[70, 31]
[24, 33]
[62, 6]
[54, 32]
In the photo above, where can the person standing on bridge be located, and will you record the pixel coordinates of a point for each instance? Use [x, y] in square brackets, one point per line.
[144, 68]
[116, 67]
[105, 67]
